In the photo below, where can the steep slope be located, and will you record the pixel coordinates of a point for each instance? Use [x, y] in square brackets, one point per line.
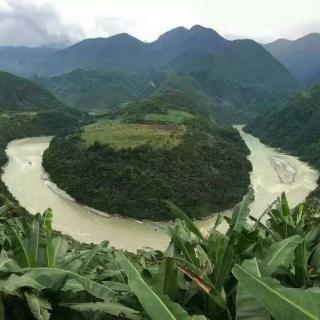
[314, 78]
[185, 93]
[240, 76]
[123, 52]
[198, 41]
[23, 61]
[243, 78]
[301, 57]
[155, 150]
[18, 94]
[294, 127]
[120, 52]
[28, 110]
[100, 91]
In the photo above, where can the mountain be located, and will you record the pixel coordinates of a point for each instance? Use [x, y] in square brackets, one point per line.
[23, 61]
[120, 52]
[156, 149]
[196, 41]
[240, 76]
[100, 91]
[314, 78]
[293, 127]
[123, 52]
[301, 57]
[22, 95]
[27, 109]
[243, 77]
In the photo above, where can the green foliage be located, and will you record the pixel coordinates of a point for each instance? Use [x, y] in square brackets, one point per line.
[247, 273]
[28, 110]
[293, 127]
[173, 116]
[18, 94]
[208, 162]
[239, 78]
[282, 303]
[157, 306]
[100, 91]
[126, 136]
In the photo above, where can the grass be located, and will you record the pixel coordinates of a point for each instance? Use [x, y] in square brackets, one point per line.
[129, 135]
[173, 116]
[8, 115]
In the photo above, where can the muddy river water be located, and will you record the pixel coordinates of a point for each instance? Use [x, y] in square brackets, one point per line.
[273, 172]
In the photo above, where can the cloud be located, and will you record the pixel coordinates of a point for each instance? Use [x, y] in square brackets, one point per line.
[24, 23]
[110, 26]
[304, 29]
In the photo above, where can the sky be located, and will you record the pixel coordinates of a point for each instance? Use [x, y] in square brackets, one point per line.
[49, 22]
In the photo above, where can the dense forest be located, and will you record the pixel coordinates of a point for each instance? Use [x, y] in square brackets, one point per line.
[247, 273]
[18, 94]
[100, 91]
[143, 130]
[198, 158]
[28, 110]
[294, 127]
[239, 79]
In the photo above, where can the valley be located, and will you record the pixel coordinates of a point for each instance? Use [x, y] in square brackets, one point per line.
[174, 177]
[27, 181]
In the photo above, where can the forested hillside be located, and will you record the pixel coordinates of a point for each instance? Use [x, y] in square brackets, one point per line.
[301, 56]
[28, 110]
[244, 80]
[18, 95]
[154, 150]
[294, 127]
[240, 76]
[100, 91]
[23, 61]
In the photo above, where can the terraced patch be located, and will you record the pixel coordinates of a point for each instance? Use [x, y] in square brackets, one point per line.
[129, 135]
[173, 116]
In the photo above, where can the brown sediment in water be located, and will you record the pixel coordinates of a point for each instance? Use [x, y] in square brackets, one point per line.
[26, 182]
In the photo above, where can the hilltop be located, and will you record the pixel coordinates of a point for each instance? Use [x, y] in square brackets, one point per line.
[27, 109]
[294, 127]
[100, 91]
[102, 74]
[301, 56]
[156, 149]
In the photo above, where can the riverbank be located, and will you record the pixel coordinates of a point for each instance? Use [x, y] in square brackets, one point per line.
[25, 181]
[275, 172]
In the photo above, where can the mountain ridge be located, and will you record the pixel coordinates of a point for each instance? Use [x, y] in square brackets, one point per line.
[300, 56]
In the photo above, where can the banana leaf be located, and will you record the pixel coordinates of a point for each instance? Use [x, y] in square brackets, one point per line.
[281, 302]
[157, 306]
[178, 213]
[247, 308]
[108, 307]
[39, 307]
[281, 253]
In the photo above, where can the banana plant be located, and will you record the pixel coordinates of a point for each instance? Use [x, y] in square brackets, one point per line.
[207, 261]
[34, 261]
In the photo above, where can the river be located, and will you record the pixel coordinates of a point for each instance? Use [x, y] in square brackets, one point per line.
[273, 172]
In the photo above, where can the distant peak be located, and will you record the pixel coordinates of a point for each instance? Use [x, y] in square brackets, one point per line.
[175, 31]
[179, 29]
[124, 37]
[311, 36]
[198, 27]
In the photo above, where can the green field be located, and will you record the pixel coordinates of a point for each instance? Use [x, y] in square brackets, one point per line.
[8, 115]
[173, 116]
[124, 135]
